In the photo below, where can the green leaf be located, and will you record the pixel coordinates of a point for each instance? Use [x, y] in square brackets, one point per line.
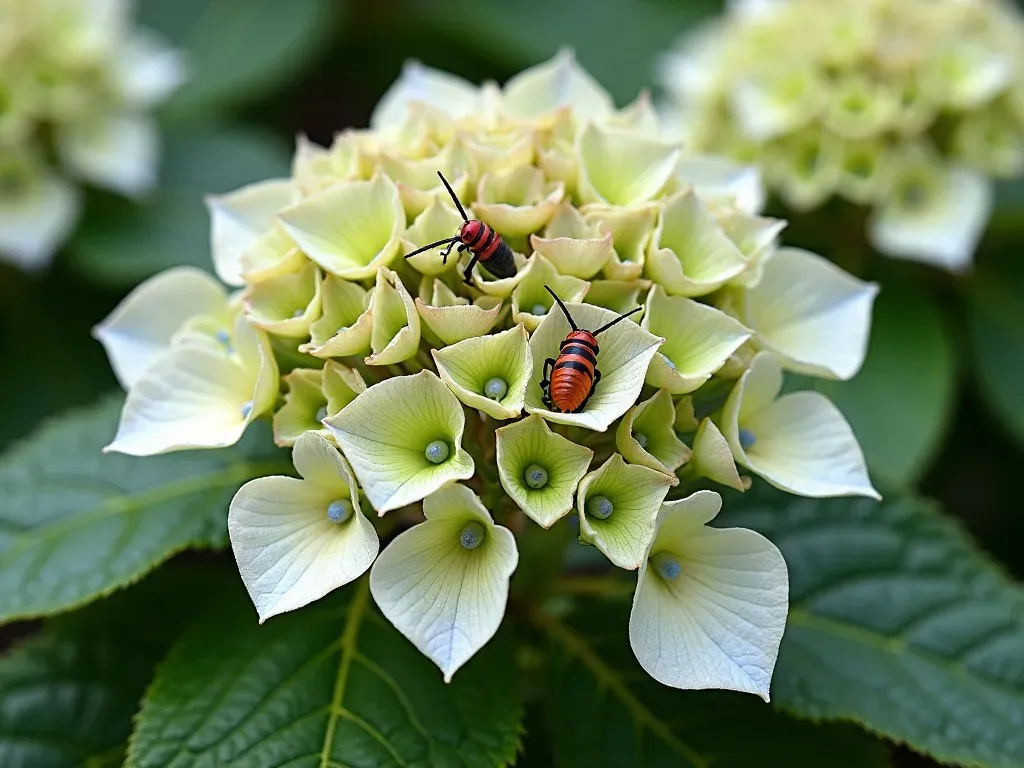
[67, 695]
[605, 711]
[996, 325]
[898, 623]
[121, 242]
[76, 524]
[328, 686]
[238, 50]
[533, 30]
[901, 402]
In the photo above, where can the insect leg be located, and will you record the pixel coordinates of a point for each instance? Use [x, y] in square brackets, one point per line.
[545, 384]
[467, 275]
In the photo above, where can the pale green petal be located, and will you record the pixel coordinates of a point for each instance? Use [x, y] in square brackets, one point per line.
[799, 442]
[240, 218]
[470, 366]
[36, 220]
[303, 403]
[349, 229]
[139, 330]
[385, 433]
[865, 171]
[286, 305]
[517, 202]
[118, 152]
[690, 254]
[438, 220]
[774, 103]
[578, 258]
[639, 116]
[699, 339]
[636, 493]
[447, 599]
[421, 84]
[452, 324]
[527, 445]
[395, 332]
[935, 215]
[315, 168]
[716, 617]
[416, 177]
[807, 167]
[195, 397]
[345, 326]
[631, 230]
[721, 181]
[967, 73]
[812, 313]
[496, 152]
[859, 107]
[618, 295]
[319, 463]
[558, 82]
[621, 167]
[712, 457]
[531, 302]
[686, 420]
[500, 288]
[626, 351]
[342, 385]
[272, 254]
[148, 70]
[289, 552]
[646, 435]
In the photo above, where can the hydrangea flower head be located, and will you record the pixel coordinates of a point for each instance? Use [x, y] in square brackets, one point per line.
[77, 80]
[418, 400]
[907, 107]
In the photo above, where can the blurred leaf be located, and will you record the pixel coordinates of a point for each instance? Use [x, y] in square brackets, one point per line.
[68, 694]
[617, 41]
[898, 623]
[238, 50]
[76, 524]
[606, 711]
[996, 322]
[325, 686]
[901, 402]
[122, 243]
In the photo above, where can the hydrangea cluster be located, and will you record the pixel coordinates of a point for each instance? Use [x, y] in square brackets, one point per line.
[409, 394]
[903, 106]
[77, 79]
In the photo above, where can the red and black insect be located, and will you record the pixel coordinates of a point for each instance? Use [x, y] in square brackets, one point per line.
[570, 380]
[480, 240]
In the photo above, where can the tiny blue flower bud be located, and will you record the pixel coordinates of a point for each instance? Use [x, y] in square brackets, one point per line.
[600, 507]
[246, 410]
[539, 310]
[472, 535]
[321, 413]
[339, 511]
[747, 439]
[437, 452]
[669, 363]
[495, 388]
[536, 476]
[298, 313]
[223, 337]
[666, 564]
[641, 438]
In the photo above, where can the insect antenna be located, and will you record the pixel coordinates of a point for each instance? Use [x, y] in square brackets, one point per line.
[432, 245]
[606, 326]
[454, 197]
[564, 310]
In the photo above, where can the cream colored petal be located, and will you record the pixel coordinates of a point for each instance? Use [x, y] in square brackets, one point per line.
[712, 457]
[139, 330]
[447, 599]
[421, 84]
[454, 323]
[539, 469]
[646, 435]
[620, 167]
[699, 340]
[395, 332]
[531, 302]
[286, 305]
[710, 605]
[35, 222]
[437, 221]
[305, 404]
[635, 493]
[349, 229]
[812, 313]
[345, 325]
[501, 362]
[240, 218]
[386, 432]
[721, 181]
[558, 82]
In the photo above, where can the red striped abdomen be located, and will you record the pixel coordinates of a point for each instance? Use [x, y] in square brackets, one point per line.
[481, 239]
[573, 375]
